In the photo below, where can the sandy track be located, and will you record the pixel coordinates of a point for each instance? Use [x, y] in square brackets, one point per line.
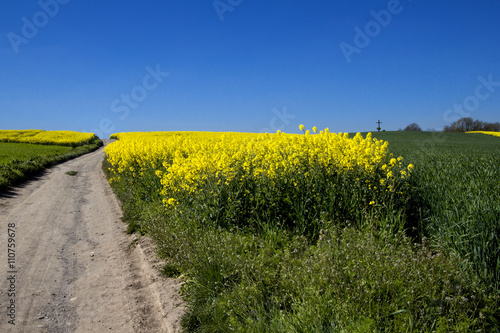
[75, 268]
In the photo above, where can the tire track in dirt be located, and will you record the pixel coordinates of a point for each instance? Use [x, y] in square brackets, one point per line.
[77, 270]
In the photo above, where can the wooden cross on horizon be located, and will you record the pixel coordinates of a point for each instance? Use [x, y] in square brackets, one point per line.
[378, 123]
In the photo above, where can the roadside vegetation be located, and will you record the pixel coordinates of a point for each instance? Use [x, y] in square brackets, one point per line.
[20, 161]
[320, 232]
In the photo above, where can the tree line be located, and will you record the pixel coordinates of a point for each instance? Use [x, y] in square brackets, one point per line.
[468, 124]
[462, 125]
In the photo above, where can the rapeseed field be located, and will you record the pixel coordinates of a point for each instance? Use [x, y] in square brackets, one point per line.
[64, 138]
[319, 232]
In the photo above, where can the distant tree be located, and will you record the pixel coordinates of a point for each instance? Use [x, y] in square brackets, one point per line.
[413, 127]
[468, 124]
[477, 125]
[495, 127]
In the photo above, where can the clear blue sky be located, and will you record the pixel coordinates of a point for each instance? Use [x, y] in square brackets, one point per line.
[241, 65]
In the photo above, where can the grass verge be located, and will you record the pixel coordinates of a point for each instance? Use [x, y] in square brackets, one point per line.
[20, 161]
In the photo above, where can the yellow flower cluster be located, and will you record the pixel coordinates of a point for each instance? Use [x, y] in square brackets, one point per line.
[65, 138]
[486, 132]
[185, 161]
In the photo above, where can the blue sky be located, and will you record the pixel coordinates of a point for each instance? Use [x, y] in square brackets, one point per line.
[252, 66]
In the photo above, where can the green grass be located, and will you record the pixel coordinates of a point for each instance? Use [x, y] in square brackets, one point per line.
[458, 180]
[417, 145]
[26, 151]
[20, 161]
[429, 265]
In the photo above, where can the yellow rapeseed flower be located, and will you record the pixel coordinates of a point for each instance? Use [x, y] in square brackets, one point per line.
[186, 161]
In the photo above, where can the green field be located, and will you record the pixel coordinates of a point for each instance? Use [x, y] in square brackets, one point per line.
[19, 161]
[457, 179]
[26, 151]
[430, 262]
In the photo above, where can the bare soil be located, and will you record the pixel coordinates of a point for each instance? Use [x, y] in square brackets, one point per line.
[74, 268]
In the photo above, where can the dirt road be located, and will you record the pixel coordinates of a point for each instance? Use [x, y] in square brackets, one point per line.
[73, 269]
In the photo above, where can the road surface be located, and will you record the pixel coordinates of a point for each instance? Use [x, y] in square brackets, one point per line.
[66, 264]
